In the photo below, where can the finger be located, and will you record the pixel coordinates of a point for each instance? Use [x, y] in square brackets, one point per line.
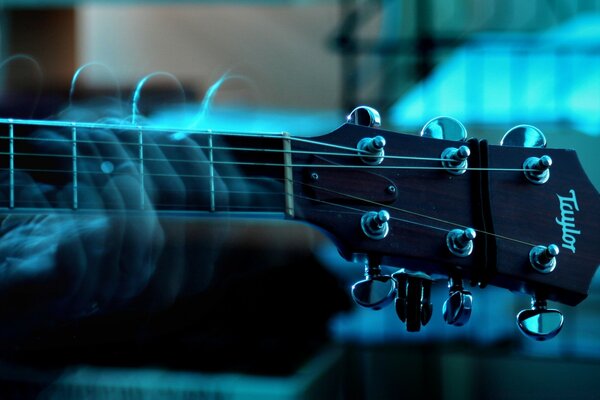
[205, 191]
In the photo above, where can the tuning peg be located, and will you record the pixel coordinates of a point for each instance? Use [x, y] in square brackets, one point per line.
[413, 294]
[457, 308]
[444, 128]
[540, 323]
[375, 291]
[537, 169]
[460, 241]
[375, 224]
[371, 150]
[524, 136]
[364, 116]
[455, 159]
[543, 259]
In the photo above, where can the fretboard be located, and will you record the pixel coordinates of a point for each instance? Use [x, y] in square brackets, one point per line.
[85, 167]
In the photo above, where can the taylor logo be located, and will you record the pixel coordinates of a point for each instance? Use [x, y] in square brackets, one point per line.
[568, 206]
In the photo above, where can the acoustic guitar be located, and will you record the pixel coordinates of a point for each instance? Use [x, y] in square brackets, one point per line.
[436, 205]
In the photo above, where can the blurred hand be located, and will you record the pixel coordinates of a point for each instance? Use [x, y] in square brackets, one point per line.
[61, 264]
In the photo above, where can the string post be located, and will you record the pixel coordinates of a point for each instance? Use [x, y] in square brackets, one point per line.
[543, 259]
[454, 160]
[375, 224]
[371, 150]
[460, 241]
[537, 169]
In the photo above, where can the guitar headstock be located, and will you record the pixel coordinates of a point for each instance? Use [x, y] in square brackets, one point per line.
[517, 215]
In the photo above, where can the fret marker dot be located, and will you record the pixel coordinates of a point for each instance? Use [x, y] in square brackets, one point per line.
[107, 167]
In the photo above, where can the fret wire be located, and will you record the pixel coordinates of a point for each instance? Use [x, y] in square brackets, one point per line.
[12, 167]
[74, 154]
[211, 170]
[141, 157]
[288, 175]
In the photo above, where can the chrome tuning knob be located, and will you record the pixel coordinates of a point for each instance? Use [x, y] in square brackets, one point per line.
[444, 128]
[364, 116]
[413, 298]
[376, 290]
[457, 308]
[540, 323]
[524, 136]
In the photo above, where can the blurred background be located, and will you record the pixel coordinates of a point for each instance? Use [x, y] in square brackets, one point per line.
[285, 327]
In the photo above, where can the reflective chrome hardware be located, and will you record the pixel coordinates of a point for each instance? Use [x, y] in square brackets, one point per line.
[460, 241]
[444, 128]
[543, 259]
[413, 294]
[540, 323]
[537, 170]
[364, 116]
[524, 136]
[457, 309]
[455, 159]
[371, 150]
[375, 224]
[375, 291]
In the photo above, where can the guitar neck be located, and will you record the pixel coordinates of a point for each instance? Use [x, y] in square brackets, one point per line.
[58, 166]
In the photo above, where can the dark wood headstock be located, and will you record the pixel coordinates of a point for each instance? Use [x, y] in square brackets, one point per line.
[564, 211]
[509, 213]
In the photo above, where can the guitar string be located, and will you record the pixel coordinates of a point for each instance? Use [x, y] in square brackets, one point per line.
[357, 198]
[199, 147]
[356, 211]
[359, 211]
[264, 135]
[69, 157]
[354, 151]
[419, 214]
[184, 131]
[172, 131]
